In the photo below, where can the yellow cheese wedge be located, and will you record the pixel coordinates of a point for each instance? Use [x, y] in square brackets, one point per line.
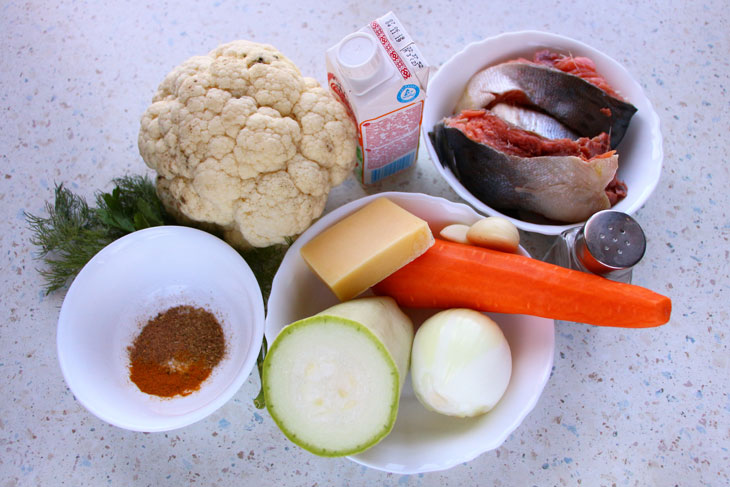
[367, 246]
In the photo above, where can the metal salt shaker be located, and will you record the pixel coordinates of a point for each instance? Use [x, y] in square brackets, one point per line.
[609, 244]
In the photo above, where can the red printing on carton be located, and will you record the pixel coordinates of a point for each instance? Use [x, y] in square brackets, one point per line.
[336, 88]
[391, 136]
[399, 64]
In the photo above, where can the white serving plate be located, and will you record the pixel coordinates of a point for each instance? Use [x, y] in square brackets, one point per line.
[130, 281]
[423, 441]
[640, 152]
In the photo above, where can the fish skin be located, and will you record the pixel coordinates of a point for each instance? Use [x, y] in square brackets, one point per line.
[576, 103]
[533, 121]
[560, 188]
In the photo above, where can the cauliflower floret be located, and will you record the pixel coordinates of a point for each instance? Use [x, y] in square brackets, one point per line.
[241, 141]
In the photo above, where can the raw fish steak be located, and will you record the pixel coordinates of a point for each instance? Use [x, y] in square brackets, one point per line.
[578, 104]
[509, 168]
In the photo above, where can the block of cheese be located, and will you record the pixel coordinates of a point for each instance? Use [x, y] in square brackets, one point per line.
[366, 246]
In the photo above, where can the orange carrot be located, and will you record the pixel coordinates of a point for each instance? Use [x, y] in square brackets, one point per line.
[454, 275]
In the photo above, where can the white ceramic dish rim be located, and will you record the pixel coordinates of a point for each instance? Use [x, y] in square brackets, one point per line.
[132, 239]
[538, 38]
[271, 332]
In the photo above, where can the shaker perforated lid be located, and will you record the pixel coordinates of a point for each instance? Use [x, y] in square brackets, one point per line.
[610, 241]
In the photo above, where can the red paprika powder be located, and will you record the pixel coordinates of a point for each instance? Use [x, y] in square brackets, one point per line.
[176, 351]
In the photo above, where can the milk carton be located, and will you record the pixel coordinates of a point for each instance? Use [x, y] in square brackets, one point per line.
[381, 77]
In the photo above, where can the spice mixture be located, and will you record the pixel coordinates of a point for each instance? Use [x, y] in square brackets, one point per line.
[176, 351]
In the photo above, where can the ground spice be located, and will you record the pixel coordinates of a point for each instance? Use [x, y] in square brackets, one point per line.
[176, 351]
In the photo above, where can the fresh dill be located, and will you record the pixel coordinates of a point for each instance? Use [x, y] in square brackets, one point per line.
[73, 232]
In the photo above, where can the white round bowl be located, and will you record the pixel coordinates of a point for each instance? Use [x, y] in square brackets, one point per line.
[129, 282]
[640, 152]
[423, 441]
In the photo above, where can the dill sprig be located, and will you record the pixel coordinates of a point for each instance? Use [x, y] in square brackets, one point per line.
[73, 232]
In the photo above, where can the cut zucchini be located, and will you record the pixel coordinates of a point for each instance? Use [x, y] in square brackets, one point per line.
[332, 382]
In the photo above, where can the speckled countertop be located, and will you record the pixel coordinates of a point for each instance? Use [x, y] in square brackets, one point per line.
[623, 407]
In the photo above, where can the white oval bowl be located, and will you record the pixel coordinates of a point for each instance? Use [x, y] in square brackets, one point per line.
[130, 281]
[640, 152]
[423, 441]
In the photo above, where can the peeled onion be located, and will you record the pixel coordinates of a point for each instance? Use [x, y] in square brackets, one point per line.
[460, 363]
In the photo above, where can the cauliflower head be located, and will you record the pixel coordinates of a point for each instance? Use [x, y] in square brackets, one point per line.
[242, 142]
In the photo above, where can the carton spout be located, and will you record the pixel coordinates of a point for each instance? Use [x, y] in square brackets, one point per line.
[361, 62]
